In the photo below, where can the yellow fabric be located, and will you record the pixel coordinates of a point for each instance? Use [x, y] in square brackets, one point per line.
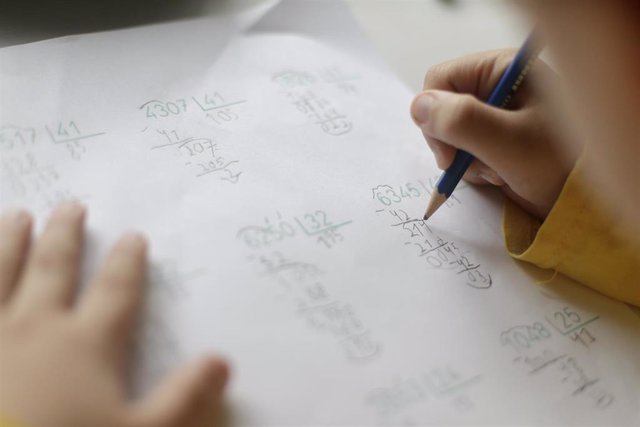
[4, 422]
[578, 240]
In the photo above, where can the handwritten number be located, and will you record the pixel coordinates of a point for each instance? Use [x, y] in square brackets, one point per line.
[162, 111]
[383, 199]
[413, 190]
[562, 317]
[568, 318]
[572, 315]
[150, 113]
[173, 108]
[323, 214]
[393, 196]
[313, 221]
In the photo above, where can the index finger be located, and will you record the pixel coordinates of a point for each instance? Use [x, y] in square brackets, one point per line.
[476, 74]
[112, 303]
[15, 231]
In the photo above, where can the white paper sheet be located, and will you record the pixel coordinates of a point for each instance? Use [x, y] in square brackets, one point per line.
[280, 181]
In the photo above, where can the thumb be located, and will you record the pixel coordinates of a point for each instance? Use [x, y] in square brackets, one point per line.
[190, 396]
[463, 122]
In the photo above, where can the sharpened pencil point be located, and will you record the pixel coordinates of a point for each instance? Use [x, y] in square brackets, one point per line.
[437, 200]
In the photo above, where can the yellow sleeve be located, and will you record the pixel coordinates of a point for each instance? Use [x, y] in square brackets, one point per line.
[5, 422]
[578, 240]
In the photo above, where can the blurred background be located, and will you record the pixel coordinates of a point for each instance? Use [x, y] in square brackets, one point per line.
[411, 35]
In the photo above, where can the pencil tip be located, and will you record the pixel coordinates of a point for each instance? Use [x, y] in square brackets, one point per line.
[437, 200]
[425, 217]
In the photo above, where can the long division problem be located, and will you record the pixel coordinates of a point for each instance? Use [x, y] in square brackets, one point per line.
[303, 286]
[304, 88]
[68, 133]
[214, 105]
[202, 155]
[437, 252]
[28, 174]
[531, 343]
[394, 404]
[315, 225]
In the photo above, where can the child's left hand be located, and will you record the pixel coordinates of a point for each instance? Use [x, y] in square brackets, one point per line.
[63, 362]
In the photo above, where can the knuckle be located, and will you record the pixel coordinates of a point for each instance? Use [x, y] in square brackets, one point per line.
[464, 110]
[116, 325]
[54, 261]
[122, 282]
[16, 326]
[55, 258]
[433, 75]
[508, 53]
[23, 325]
[499, 57]
[46, 260]
[461, 113]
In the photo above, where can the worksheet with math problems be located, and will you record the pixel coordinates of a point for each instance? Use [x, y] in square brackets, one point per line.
[275, 169]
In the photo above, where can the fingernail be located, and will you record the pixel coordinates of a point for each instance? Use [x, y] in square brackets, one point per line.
[422, 107]
[438, 154]
[71, 208]
[485, 176]
[490, 177]
[217, 372]
[17, 217]
[134, 240]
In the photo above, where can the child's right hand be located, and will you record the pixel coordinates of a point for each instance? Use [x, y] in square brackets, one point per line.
[522, 150]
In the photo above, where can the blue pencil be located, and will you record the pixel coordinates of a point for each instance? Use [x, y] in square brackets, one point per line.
[509, 83]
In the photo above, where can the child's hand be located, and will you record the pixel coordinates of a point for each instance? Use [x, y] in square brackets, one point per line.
[521, 150]
[62, 362]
